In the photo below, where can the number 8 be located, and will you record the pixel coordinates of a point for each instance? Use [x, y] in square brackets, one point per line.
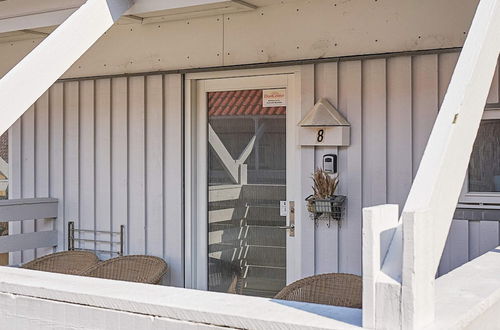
[320, 135]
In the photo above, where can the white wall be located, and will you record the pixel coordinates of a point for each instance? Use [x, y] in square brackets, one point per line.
[391, 104]
[111, 151]
[276, 31]
[92, 140]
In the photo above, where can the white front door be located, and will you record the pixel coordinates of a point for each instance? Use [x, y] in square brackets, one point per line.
[242, 156]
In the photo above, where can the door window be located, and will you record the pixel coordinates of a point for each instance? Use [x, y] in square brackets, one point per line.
[246, 181]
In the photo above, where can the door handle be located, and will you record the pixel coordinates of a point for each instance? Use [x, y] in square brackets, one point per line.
[292, 227]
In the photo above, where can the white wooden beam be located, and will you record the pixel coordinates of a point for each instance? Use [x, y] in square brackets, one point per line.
[145, 6]
[440, 177]
[224, 156]
[35, 21]
[31, 77]
[407, 274]
[171, 10]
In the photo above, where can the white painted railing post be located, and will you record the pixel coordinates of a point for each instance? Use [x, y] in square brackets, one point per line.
[404, 286]
[379, 224]
[417, 296]
[19, 88]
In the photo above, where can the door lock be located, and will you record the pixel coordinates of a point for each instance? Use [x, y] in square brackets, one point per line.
[291, 219]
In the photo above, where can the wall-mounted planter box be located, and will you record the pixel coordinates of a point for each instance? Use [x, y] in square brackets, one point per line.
[324, 126]
[326, 209]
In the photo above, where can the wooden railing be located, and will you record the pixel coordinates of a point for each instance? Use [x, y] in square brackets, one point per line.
[28, 209]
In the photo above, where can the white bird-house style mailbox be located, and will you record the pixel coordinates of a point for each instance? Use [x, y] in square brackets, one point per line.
[324, 126]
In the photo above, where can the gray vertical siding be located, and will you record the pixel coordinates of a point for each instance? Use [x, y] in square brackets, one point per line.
[111, 151]
[391, 104]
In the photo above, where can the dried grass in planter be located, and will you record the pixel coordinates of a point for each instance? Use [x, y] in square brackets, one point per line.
[324, 185]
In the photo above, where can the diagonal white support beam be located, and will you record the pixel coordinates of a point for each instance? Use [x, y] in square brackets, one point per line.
[407, 273]
[31, 77]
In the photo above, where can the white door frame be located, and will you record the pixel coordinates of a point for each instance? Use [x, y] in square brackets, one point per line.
[300, 91]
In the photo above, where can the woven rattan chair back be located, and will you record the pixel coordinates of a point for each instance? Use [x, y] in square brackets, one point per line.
[136, 268]
[327, 289]
[67, 262]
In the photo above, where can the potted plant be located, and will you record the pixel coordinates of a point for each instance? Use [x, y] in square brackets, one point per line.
[324, 201]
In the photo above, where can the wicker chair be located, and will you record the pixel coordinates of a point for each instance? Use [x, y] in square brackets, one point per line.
[67, 262]
[224, 276]
[327, 289]
[138, 268]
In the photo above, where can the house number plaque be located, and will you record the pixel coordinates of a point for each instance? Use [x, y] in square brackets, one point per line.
[324, 136]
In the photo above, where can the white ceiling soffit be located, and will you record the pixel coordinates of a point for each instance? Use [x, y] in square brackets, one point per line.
[190, 9]
[17, 15]
[35, 21]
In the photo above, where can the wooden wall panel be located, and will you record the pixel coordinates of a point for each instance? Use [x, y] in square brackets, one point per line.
[392, 105]
[42, 167]
[111, 151]
[136, 225]
[154, 165]
[102, 160]
[86, 160]
[71, 153]
[28, 170]
[374, 160]
[173, 226]
[425, 102]
[119, 155]
[350, 103]
[326, 237]
[15, 179]
[399, 130]
[56, 157]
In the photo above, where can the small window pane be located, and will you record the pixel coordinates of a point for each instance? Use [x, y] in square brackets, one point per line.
[484, 167]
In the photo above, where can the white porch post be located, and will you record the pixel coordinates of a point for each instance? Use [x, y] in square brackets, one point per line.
[31, 77]
[405, 282]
